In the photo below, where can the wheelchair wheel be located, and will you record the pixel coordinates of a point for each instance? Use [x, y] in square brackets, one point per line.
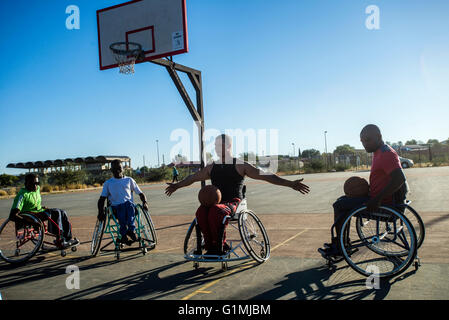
[254, 236]
[416, 222]
[20, 241]
[193, 241]
[97, 236]
[383, 242]
[147, 233]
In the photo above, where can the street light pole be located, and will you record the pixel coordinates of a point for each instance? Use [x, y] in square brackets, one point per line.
[157, 146]
[293, 144]
[325, 149]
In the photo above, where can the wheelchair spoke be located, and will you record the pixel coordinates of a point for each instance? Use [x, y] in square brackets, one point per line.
[384, 241]
[254, 236]
[19, 242]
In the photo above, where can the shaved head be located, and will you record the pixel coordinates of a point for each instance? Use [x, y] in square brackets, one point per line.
[371, 138]
[371, 129]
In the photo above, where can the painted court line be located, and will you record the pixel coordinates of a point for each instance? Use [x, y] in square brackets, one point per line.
[210, 284]
[244, 266]
[289, 239]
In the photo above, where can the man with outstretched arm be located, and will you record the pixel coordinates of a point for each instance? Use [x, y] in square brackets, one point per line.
[227, 174]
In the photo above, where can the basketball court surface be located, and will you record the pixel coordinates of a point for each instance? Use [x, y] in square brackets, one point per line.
[297, 225]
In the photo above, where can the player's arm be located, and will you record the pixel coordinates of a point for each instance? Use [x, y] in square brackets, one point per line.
[201, 175]
[397, 180]
[100, 205]
[16, 209]
[14, 214]
[135, 188]
[258, 174]
[144, 201]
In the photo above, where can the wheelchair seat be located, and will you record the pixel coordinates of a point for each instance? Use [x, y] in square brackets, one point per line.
[243, 206]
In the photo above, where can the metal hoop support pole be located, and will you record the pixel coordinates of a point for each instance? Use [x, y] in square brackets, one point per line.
[198, 112]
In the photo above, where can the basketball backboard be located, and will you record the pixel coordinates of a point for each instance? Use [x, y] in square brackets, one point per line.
[160, 26]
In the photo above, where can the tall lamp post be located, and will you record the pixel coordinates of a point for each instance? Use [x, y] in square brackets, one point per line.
[157, 146]
[325, 149]
[293, 144]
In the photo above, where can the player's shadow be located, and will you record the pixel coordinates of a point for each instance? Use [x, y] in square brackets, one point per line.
[320, 284]
[43, 267]
[152, 284]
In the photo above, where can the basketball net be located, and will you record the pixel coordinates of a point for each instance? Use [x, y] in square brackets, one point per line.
[126, 54]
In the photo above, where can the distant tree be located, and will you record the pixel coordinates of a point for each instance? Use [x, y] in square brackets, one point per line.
[249, 155]
[68, 176]
[409, 142]
[144, 169]
[7, 180]
[179, 158]
[345, 149]
[433, 141]
[310, 153]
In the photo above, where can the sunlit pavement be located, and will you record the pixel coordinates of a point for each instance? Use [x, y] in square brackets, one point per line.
[297, 225]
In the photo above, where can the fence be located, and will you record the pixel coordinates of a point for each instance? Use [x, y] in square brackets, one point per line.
[436, 155]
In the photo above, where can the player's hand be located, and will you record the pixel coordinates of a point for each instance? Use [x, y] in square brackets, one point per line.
[299, 186]
[145, 206]
[101, 215]
[172, 187]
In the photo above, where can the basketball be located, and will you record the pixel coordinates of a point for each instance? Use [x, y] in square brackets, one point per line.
[356, 187]
[209, 195]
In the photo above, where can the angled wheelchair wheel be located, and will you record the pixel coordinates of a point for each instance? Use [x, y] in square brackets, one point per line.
[193, 242]
[147, 232]
[254, 236]
[21, 241]
[416, 222]
[382, 242]
[97, 236]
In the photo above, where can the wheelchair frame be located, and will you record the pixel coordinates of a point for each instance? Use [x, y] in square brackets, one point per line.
[29, 233]
[239, 249]
[147, 239]
[397, 229]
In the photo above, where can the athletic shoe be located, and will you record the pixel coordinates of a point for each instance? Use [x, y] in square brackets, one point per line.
[123, 240]
[330, 252]
[225, 249]
[70, 243]
[132, 235]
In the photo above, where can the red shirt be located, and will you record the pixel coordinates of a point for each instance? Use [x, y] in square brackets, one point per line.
[385, 161]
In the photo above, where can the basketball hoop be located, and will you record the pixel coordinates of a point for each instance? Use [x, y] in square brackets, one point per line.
[126, 54]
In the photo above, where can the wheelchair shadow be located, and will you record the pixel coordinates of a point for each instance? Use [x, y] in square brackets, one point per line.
[321, 284]
[43, 267]
[151, 284]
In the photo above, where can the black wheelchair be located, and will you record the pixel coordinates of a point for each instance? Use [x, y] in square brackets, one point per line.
[247, 239]
[146, 233]
[20, 241]
[384, 242]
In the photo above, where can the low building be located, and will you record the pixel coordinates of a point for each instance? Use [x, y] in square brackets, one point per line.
[98, 163]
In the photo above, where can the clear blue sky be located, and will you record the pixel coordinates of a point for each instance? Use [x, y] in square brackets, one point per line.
[300, 67]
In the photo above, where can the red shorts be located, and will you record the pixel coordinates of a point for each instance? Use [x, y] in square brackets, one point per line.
[210, 220]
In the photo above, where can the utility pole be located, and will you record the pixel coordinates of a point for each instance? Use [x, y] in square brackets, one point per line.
[157, 146]
[325, 149]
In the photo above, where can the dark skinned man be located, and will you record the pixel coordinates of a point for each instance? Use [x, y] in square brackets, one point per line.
[227, 174]
[387, 181]
[119, 190]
